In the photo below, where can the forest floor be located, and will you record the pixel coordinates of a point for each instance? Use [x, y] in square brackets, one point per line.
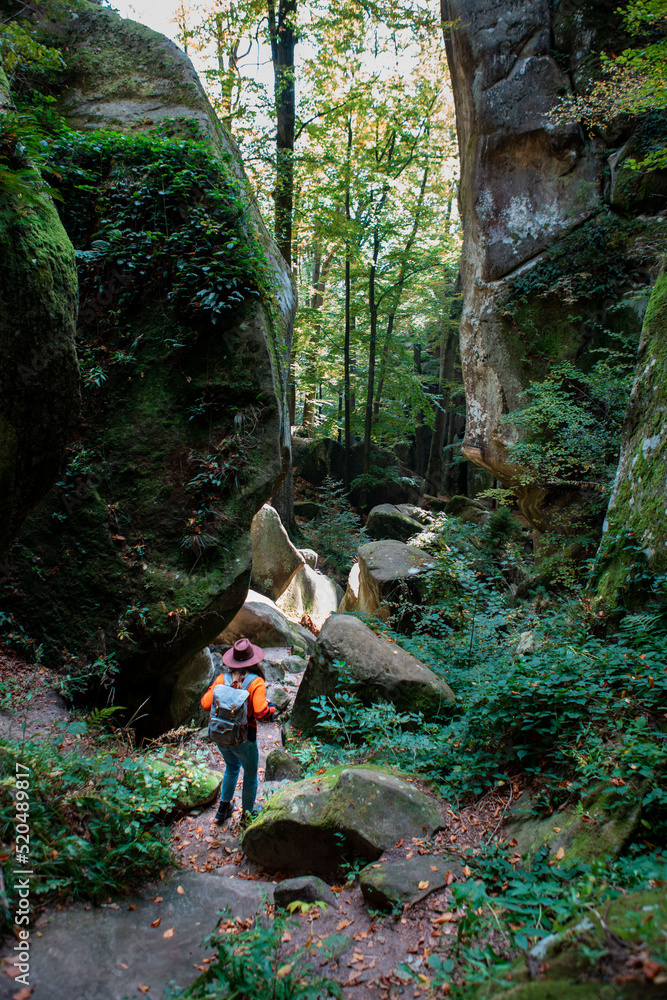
[369, 964]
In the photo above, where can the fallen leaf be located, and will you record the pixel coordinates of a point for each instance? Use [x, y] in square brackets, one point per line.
[199, 830]
[556, 829]
[286, 936]
[144, 989]
[466, 871]
[433, 868]
[284, 970]
[123, 965]
[560, 854]
[424, 884]
[343, 924]
[12, 971]
[169, 933]
[131, 906]
[156, 923]
[449, 878]
[23, 994]
[400, 843]
[445, 918]
[180, 890]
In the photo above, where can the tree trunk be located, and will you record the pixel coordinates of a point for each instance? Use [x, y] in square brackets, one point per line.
[348, 291]
[448, 340]
[373, 310]
[321, 269]
[282, 25]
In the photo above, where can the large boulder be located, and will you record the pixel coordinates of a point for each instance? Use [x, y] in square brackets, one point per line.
[39, 375]
[274, 559]
[307, 889]
[394, 883]
[468, 510]
[375, 669]
[390, 575]
[195, 678]
[547, 263]
[350, 600]
[310, 593]
[263, 623]
[141, 555]
[388, 521]
[600, 828]
[313, 825]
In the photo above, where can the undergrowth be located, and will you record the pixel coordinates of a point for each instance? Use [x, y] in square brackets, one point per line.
[94, 821]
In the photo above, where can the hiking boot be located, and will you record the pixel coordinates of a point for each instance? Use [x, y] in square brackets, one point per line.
[224, 812]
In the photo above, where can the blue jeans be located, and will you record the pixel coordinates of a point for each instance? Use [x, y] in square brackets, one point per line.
[245, 756]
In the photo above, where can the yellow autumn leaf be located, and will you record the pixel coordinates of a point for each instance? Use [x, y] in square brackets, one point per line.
[560, 854]
[284, 970]
[423, 884]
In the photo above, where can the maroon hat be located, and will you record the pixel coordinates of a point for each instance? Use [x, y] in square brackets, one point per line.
[242, 655]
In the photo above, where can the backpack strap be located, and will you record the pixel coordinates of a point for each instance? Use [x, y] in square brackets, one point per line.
[229, 681]
[247, 681]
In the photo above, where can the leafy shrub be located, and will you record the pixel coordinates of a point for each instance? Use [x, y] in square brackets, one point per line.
[255, 962]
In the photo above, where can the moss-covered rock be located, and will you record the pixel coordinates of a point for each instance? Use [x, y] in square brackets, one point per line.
[141, 554]
[388, 884]
[387, 521]
[193, 786]
[615, 955]
[39, 376]
[599, 828]
[634, 543]
[313, 825]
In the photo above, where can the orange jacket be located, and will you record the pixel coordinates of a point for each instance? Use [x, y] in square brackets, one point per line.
[258, 706]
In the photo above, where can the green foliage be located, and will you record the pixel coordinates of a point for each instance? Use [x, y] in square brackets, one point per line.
[256, 962]
[505, 911]
[591, 262]
[572, 422]
[93, 819]
[161, 212]
[337, 535]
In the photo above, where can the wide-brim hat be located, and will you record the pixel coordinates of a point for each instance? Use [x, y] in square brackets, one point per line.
[242, 655]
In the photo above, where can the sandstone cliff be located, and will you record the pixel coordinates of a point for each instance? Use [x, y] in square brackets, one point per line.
[555, 228]
[141, 553]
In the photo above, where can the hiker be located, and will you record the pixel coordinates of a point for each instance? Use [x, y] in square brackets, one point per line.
[235, 708]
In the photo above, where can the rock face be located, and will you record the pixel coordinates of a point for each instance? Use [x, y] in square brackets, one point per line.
[388, 521]
[311, 593]
[374, 669]
[369, 808]
[147, 537]
[636, 518]
[39, 375]
[540, 235]
[274, 559]
[389, 576]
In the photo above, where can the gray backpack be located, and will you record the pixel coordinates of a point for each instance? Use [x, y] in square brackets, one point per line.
[228, 725]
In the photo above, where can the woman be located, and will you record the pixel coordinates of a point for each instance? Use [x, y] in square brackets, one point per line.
[242, 659]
